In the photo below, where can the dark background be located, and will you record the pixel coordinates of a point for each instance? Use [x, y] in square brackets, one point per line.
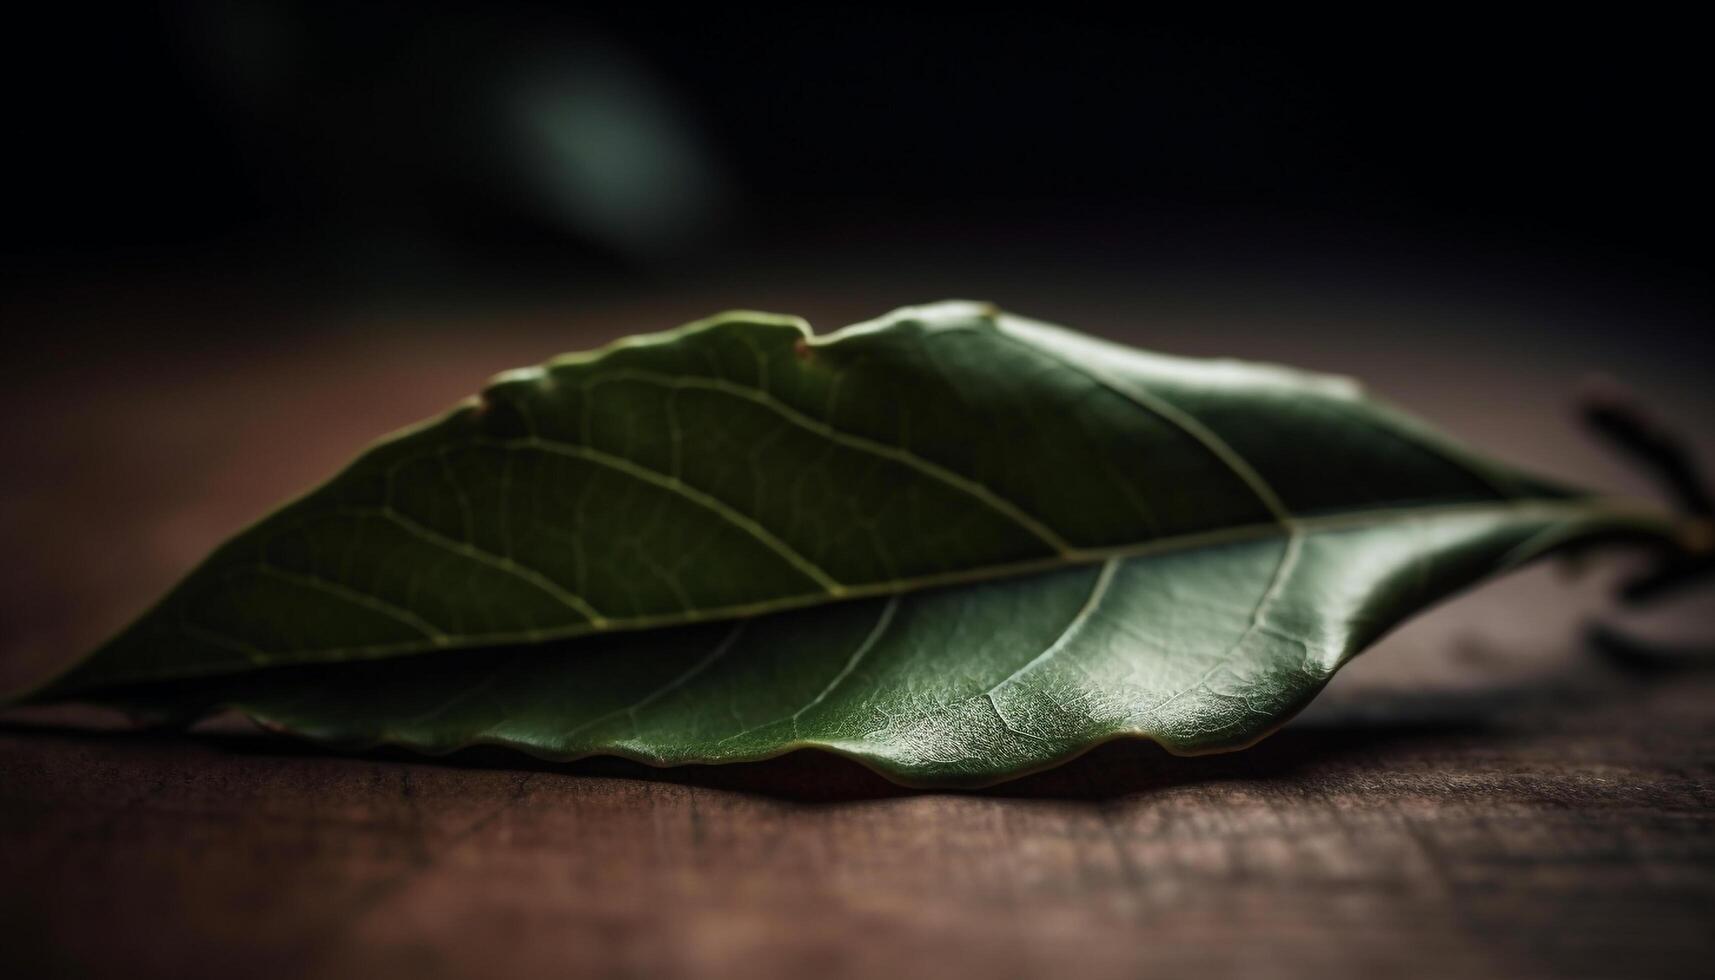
[426, 155]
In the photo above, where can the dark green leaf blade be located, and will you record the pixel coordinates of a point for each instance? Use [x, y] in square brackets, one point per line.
[1205, 647]
[740, 466]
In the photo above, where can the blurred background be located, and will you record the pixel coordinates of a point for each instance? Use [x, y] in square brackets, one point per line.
[242, 238]
[484, 157]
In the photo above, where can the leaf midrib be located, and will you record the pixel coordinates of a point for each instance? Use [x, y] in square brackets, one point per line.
[1521, 509]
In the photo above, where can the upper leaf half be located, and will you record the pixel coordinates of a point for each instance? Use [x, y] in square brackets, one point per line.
[741, 465]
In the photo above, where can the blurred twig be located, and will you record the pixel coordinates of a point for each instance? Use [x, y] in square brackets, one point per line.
[1620, 418]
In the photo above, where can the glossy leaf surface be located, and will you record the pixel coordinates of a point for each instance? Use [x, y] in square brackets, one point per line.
[953, 544]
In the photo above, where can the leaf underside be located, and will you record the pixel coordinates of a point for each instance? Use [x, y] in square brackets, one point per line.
[952, 544]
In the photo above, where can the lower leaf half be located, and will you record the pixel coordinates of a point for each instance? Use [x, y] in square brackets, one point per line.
[1201, 649]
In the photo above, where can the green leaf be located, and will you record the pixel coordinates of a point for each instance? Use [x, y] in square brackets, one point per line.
[955, 544]
[1202, 648]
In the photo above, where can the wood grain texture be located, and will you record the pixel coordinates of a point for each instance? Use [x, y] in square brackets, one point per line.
[1484, 794]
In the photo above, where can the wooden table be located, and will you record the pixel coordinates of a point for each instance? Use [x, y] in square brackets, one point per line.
[1483, 794]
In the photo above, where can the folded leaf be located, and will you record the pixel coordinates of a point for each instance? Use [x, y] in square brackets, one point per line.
[740, 466]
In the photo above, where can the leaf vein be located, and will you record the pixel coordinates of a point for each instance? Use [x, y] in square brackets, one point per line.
[973, 488]
[702, 499]
[355, 596]
[506, 564]
[1179, 418]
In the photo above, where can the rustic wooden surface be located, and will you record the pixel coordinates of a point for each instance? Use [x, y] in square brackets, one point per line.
[1485, 794]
